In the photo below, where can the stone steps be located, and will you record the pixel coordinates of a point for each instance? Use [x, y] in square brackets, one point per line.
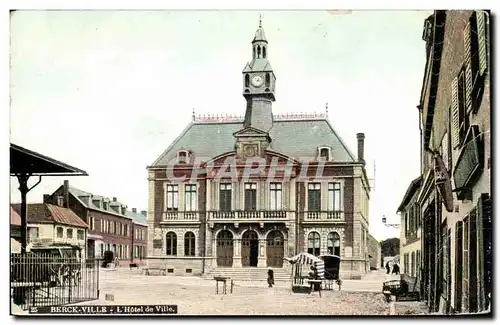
[249, 273]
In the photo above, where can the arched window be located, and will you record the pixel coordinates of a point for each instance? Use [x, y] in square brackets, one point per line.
[313, 243]
[333, 244]
[253, 52]
[171, 243]
[189, 242]
[247, 80]
[258, 52]
[264, 52]
[268, 79]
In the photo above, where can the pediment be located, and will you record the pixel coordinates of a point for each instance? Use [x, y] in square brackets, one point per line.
[249, 132]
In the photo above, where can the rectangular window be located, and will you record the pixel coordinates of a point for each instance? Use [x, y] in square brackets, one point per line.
[314, 197]
[80, 234]
[334, 197]
[190, 197]
[275, 196]
[225, 191]
[69, 233]
[250, 196]
[102, 225]
[125, 230]
[172, 197]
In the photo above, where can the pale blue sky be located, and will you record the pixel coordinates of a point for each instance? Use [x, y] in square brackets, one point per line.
[108, 91]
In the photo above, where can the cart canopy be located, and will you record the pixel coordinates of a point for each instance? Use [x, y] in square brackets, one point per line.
[309, 259]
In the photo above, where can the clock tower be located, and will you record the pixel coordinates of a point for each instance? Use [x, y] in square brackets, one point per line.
[259, 85]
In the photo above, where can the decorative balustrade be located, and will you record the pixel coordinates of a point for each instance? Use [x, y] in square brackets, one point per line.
[323, 215]
[246, 215]
[181, 216]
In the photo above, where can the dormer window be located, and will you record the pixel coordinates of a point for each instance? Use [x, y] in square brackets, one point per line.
[324, 153]
[182, 157]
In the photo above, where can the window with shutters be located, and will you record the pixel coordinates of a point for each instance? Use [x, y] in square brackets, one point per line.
[475, 58]
[460, 118]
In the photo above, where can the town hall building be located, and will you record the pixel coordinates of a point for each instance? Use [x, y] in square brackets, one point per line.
[304, 191]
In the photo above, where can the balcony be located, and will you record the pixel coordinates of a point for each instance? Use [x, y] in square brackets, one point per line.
[247, 215]
[323, 216]
[191, 217]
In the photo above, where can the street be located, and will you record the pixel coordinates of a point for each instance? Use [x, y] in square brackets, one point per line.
[196, 296]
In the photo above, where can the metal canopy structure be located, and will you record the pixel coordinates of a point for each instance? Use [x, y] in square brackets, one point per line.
[25, 163]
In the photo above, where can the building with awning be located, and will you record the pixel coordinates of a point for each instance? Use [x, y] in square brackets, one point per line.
[24, 164]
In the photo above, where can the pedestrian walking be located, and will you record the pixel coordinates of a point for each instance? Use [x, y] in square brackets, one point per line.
[395, 269]
[388, 268]
[270, 277]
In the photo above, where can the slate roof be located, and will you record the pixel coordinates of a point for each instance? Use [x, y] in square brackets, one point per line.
[260, 36]
[138, 218]
[294, 138]
[412, 189]
[86, 199]
[49, 213]
[260, 65]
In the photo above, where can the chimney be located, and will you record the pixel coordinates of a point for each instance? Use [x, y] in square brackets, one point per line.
[144, 213]
[114, 199]
[361, 147]
[134, 210]
[66, 194]
[46, 198]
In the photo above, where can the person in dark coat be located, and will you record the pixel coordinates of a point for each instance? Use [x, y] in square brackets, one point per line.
[270, 278]
[388, 268]
[395, 269]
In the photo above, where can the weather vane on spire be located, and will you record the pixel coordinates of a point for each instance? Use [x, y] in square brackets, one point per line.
[260, 20]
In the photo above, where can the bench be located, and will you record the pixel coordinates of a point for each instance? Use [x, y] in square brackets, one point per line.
[224, 281]
[155, 266]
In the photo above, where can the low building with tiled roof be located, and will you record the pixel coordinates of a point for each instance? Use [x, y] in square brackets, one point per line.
[50, 224]
[306, 192]
[112, 226]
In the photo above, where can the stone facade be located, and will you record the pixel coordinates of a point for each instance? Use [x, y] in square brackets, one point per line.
[256, 214]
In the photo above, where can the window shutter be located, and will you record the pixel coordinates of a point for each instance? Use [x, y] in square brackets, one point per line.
[481, 35]
[468, 87]
[467, 44]
[455, 113]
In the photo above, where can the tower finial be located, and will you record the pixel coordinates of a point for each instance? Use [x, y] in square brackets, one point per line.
[326, 109]
[194, 115]
[260, 20]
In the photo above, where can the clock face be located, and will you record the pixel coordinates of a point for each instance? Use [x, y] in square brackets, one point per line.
[257, 81]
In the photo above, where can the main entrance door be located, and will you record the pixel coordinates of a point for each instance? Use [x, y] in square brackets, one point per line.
[225, 249]
[249, 248]
[275, 249]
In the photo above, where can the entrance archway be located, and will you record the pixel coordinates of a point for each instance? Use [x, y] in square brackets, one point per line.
[225, 248]
[275, 249]
[250, 248]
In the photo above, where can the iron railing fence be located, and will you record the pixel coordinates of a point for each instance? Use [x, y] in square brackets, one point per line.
[46, 280]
